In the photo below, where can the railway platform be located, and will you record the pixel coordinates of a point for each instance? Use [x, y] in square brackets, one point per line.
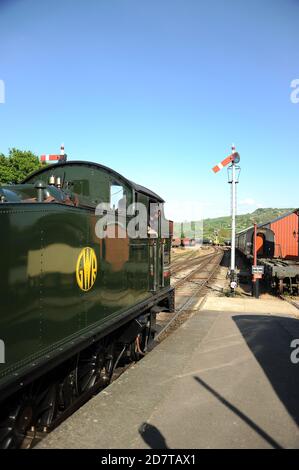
[224, 379]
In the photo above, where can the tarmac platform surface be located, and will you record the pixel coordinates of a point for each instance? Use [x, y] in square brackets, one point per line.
[224, 379]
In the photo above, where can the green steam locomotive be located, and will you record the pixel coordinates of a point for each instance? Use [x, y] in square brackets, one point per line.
[85, 267]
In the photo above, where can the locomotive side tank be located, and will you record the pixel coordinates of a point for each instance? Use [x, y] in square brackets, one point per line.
[72, 275]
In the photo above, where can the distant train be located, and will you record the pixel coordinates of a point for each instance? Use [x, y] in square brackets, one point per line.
[207, 241]
[185, 241]
[277, 250]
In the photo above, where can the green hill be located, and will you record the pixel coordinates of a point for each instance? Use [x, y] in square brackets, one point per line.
[222, 225]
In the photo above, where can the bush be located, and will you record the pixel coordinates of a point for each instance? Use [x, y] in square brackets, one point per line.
[17, 165]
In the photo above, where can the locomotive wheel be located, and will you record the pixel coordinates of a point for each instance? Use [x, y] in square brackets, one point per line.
[90, 368]
[67, 392]
[35, 408]
[47, 407]
[15, 424]
[108, 369]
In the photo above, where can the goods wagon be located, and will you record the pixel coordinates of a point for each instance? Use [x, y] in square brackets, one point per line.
[277, 250]
[286, 230]
[265, 242]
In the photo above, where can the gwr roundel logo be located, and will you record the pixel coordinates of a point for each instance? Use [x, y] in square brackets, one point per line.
[86, 269]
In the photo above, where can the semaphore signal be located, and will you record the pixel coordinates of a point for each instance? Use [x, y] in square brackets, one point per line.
[46, 158]
[234, 156]
[233, 176]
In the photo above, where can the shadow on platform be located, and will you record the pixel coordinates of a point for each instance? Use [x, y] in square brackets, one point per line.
[269, 339]
[152, 436]
[240, 414]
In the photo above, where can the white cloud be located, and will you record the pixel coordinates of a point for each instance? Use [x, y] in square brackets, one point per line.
[248, 202]
[184, 210]
[194, 209]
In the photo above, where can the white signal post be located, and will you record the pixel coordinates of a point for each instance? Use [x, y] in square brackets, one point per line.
[62, 150]
[233, 211]
[233, 242]
[233, 159]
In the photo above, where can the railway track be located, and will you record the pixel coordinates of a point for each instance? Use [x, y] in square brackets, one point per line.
[293, 302]
[188, 291]
[185, 263]
[189, 288]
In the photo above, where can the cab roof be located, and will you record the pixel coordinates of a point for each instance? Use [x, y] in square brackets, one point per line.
[138, 188]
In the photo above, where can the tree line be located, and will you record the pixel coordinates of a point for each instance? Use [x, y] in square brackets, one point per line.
[18, 164]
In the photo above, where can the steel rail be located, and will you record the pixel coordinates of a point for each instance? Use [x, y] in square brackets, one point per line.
[218, 257]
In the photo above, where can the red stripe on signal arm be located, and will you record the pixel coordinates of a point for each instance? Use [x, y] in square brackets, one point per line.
[227, 160]
[224, 162]
[50, 158]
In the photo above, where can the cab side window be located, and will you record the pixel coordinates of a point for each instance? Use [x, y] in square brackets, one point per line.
[117, 196]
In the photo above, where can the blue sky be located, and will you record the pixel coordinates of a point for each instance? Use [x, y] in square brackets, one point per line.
[158, 90]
